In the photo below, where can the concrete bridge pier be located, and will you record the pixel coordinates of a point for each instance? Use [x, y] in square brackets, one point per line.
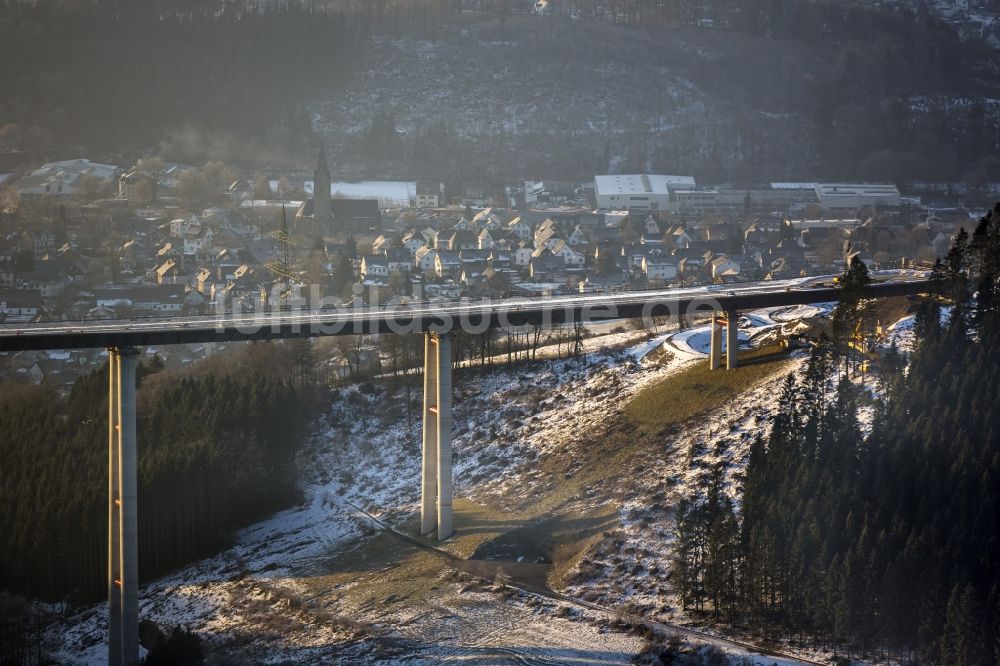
[715, 349]
[732, 339]
[729, 322]
[428, 469]
[436, 474]
[123, 514]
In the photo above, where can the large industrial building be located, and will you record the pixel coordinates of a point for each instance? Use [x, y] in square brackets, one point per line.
[784, 197]
[729, 200]
[643, 191]
[834, 196]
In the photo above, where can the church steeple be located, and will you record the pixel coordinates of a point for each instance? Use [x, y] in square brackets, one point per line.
[321, 191]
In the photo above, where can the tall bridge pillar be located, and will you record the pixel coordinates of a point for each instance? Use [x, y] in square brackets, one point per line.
[123, 514]
[729, 322]
[429, 466]
[436, 474]
[715, 349]
[732, 339]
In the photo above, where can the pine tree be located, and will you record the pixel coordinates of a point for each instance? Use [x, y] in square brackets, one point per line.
[962, 640]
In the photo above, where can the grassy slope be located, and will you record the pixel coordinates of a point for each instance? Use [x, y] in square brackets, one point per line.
[696, 389]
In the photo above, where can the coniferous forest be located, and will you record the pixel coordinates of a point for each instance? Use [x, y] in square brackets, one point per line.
[886, 543]
[217, 445]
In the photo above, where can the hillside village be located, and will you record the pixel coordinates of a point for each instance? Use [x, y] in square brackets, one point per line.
[83, 240]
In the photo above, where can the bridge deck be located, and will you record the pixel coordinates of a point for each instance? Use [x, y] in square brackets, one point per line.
[423, 316]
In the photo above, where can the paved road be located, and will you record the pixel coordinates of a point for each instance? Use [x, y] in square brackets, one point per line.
[473, 316]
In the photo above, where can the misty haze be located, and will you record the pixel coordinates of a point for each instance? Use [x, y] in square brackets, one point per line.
[537, 332]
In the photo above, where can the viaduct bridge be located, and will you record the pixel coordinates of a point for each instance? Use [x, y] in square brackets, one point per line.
[436, 321]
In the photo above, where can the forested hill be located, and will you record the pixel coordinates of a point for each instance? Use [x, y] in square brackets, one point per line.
[728, 91]
[889, 543]
[217, 447]
[107, 74]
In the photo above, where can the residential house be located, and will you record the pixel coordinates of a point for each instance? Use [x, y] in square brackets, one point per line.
[429, 194]
[477, 195]
[170, 272]
[651, 241]
[549, 191]
[681, 238]
[447, 264]
[134, 255]
[379, 244]
[145, 299]
[374, 268]
[546, 267]
[523, 253]
[460, 240]
[484, 240]
[472, 272]
[19, 304]
[205, 280]
[226, 261]
[690, 262]
[546, 232]
[651, 227]
[129, 182]
[163, 299]
[782, 268]
[494, 238]
[723, 232]
[764, 232]
[49, 278]
[605, 235]
[610, 256]
[488, 218]
[501, 259]
[425, 259]
[636, 255]
[474, 256]
[412, 240]
[167, 251]
[430, 235]
[398, 260]
[724, 267]
[179, 226]
[519, 228]
[659, 269]
[570, 257]
[39, 240]
[198, 241]
[579, 236]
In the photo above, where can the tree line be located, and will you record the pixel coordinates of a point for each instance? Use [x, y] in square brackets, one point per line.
[885, 544]
[216, 450]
